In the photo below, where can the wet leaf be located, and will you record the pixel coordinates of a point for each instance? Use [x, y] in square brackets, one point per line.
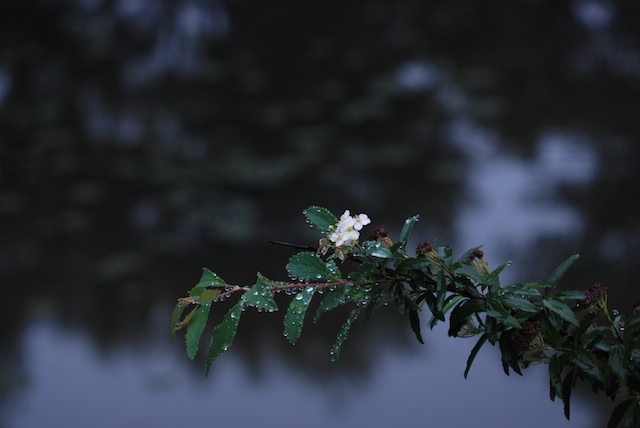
[474, 352]
[331, 301]
[260, 295]
[343, 334]
[308, 266]
[618, 362]
[320, 217]
[406, 230]
[195, 328]
[210, 279]
[294, 317]
[224, 334]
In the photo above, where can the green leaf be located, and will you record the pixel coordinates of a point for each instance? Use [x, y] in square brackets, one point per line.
[331, 301]
[210, 279]
[307, 266]
[224, 334]
[618, 362]
[474, 352]
[294, 318]
[560, 308]
[618, 412]
[450, 302]
[260, 295]
[414, 320]
[559, 272]
[465, 257]
[377, 301]
[446, 255]
[320, 217]
[633, 416]
[406, 230]
[195, 328]
[343, 334]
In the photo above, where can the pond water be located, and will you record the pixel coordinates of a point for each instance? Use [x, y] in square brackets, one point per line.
[143, 140]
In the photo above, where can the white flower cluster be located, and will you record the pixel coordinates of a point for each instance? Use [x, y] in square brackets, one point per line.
[347, 231]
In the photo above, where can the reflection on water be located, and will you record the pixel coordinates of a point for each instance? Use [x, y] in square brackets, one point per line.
[141, 140]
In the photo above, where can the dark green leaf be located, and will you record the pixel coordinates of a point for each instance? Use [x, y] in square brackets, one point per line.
[618, 412]
[618, 362]
[210, 279]
[446, 255]
[633, 415]
[496, 310]
[260, 295]
[406, 230]
[307, 266]
[175, 318]
[465, 269]
[571, 295]
[343, 334]
[474, 352]
[632, 320]
[559, 272]
[509, 356]
[583, 359]
[376, 249]
[461, 312]
[450, 302]
[414, 320]
[195, 328]
[467, 254]
[493, 279]
[555, 377]
[377, 302]
[294, 318]
[522, 290]
[320, 217]
[560, 308]
[567, 386]
[519, 304]
[224, 334]
[331, 301]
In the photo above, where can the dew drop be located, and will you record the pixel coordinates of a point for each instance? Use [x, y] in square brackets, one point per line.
[298, 296]
[615, 312]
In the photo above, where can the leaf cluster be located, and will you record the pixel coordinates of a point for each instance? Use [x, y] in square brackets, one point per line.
[574, 332]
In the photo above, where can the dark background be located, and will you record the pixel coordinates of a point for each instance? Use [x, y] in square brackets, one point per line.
[141, 140]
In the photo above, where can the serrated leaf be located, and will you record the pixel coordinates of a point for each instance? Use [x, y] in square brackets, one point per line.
[320, 217]
[294, 318]
[195, 328]
[474, 352]
[210, 279]
[560, 308]
[307, 266]
[260, 295]
[224, 334]
[343, 334]
[406, 230]
[618, 362]
[331, 301]
[559, 272]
